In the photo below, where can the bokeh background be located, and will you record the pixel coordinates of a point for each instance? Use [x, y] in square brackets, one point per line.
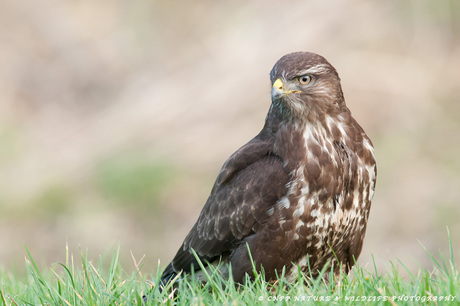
[116, 116]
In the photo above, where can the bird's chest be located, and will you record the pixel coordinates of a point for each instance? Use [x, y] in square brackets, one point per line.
[318, 189]
[318, 174]
[313, 157]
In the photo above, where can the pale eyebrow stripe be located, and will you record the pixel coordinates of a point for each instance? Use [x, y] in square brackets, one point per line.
[315, 69]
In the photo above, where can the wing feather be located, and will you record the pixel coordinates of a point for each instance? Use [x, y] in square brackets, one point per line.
[251, 181]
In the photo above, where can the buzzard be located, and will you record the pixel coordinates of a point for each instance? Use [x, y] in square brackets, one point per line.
[299, 193]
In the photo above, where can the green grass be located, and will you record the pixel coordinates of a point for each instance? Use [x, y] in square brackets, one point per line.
[102, 283]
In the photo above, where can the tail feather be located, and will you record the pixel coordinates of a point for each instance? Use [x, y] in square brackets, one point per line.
[168, 276]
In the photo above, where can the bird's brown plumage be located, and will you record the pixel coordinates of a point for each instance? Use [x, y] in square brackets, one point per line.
[299, 193]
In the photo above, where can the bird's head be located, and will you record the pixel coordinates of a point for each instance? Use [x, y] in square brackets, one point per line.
[303, 82]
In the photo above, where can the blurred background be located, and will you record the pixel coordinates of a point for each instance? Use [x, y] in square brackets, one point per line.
[116, 116]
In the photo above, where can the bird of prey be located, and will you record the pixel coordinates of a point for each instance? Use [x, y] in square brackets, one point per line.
[298, 194]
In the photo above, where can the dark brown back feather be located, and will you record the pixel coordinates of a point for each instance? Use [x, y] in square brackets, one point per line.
[251, 181]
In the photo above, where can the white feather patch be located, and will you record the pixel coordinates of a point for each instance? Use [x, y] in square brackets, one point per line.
[283, 203]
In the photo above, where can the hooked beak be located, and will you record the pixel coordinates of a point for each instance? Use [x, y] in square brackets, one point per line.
[278, 90]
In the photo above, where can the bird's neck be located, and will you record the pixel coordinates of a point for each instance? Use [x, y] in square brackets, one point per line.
[279, 118]
[292, 136]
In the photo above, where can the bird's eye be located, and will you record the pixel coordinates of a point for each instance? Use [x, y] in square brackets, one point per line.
[305, 79]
